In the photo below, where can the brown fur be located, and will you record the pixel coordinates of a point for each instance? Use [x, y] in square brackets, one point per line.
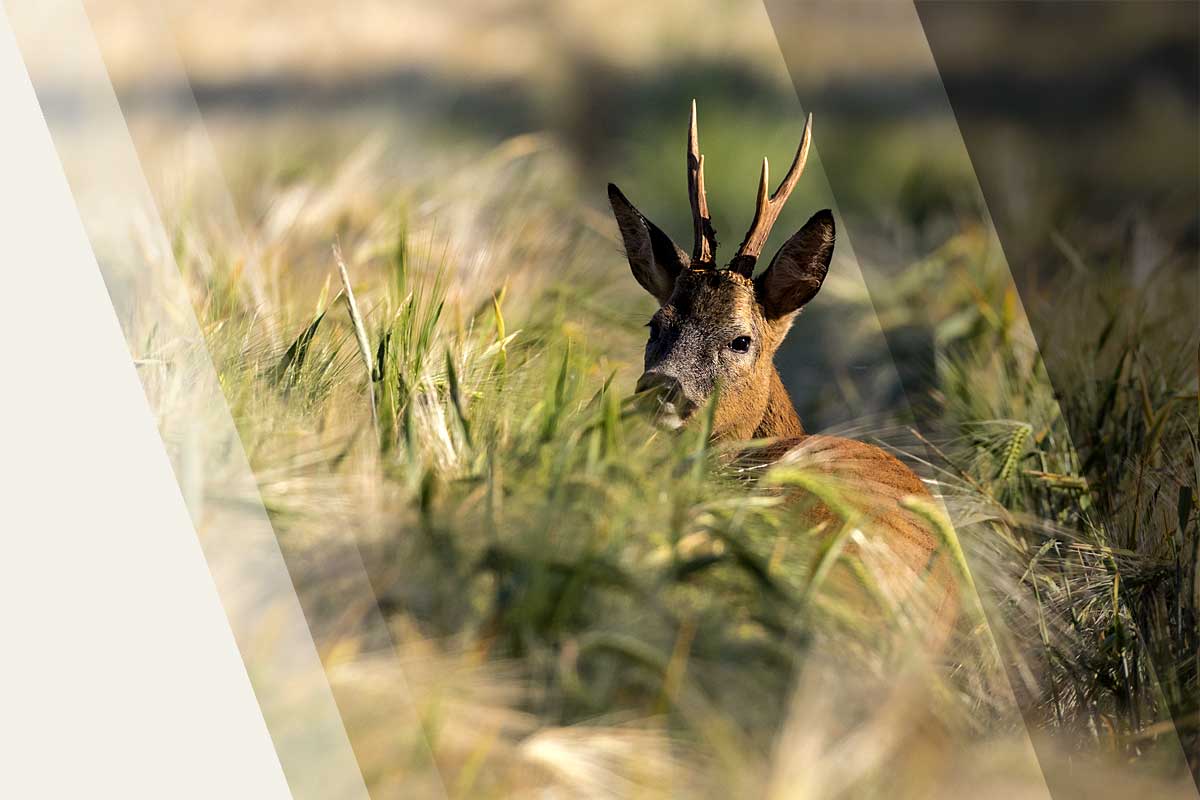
[873, 482]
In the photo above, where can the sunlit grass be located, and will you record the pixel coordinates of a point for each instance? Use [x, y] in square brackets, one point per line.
[580, 600]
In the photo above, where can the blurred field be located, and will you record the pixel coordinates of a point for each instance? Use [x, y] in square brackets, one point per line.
[573, 603]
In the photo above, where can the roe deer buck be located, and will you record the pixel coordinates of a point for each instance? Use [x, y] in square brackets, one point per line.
[720, 327]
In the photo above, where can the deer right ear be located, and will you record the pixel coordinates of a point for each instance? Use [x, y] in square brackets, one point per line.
[656, 261]
[798, 269]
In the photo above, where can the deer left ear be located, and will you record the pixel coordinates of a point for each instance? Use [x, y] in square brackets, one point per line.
[798, 269]
[656, 261]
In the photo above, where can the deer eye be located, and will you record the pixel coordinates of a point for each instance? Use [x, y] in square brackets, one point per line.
[740, 345]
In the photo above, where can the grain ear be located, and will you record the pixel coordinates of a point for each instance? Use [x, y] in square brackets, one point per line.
[798, 269]
[656, 261]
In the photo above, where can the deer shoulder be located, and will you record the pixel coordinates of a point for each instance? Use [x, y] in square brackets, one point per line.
[906, 551]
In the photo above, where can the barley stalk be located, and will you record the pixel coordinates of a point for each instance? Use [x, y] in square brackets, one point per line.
[360, 332]
[1012, 453]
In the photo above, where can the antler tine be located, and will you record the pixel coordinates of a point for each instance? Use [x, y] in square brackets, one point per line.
[767, 208]
[705, 244]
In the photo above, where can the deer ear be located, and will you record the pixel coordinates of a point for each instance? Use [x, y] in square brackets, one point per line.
[798, 269]
[655, 260]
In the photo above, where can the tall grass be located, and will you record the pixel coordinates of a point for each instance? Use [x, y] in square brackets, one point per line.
[583, 602]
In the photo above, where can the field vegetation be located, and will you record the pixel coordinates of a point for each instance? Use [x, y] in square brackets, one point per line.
[591, 603]
[427, 336]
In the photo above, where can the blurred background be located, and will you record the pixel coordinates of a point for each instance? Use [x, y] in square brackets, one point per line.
[1067, 126]
[602, 90]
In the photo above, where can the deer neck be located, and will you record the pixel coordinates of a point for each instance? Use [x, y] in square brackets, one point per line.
[779, 420]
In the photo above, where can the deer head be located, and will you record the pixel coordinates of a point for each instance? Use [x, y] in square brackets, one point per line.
[717, 329]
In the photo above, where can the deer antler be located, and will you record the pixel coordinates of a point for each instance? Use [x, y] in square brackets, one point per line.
[704, 247]
[767, 209]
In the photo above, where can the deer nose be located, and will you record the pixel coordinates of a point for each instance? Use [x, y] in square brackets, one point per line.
[667, 386]
[668, 391]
